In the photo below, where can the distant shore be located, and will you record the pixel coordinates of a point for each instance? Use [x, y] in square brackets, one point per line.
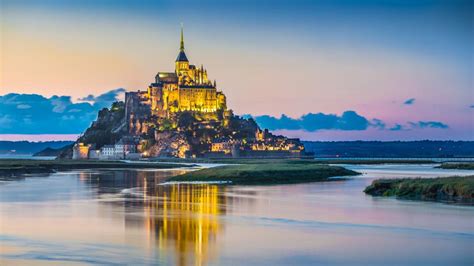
[455, 189]
[10, 168]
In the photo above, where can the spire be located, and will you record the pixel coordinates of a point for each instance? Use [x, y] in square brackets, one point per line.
[181, 55]
[181, 47]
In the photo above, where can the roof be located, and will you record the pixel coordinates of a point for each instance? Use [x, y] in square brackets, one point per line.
[166, 77]
[182, 57]
[199, 86]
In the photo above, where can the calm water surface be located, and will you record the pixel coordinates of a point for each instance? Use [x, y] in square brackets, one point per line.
[125, 217]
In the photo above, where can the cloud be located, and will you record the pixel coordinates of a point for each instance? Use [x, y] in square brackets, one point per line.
[23, 106]
[428, 124]
[36, 114]
[397, 127]
[60, 103]
[349, 120]
[105, 99]
[471, 106]
[88, 98]
[377, 123]
[419, 125]
[409, 101]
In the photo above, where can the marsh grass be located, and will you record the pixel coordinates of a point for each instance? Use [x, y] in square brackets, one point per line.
[267, 173]
[460, 166]
[15, 167]
[450, 189]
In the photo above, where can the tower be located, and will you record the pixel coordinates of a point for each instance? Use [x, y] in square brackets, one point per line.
[181, 63]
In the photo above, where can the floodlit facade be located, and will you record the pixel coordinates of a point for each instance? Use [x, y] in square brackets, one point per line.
[188, 88]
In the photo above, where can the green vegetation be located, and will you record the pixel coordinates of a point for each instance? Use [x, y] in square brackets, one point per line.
[460, 166]
[448, 189]
[376, 161]
[236, 160]
[286, 172]
[294, 161]
[12, 168]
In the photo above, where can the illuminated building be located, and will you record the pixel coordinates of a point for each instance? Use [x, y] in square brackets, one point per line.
[183, 114]
[80, 151]
[188, 88]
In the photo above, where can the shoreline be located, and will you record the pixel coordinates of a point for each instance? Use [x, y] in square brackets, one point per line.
[457, 165]
[453, 189]
[12, 168]
[265, 174]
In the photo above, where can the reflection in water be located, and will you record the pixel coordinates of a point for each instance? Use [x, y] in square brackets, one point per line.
[180, 219]
[108, 217]
[189, 222]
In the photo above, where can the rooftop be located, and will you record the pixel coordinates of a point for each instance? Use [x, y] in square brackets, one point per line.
[182, 57]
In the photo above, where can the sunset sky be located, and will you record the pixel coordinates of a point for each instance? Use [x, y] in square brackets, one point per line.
[336, 69]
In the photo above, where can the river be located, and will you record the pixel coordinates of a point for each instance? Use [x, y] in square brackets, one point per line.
[117, 217]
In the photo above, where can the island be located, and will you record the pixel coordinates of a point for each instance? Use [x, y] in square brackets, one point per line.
[457, 165]
[266, 173]
[181, 114]
[455, 189]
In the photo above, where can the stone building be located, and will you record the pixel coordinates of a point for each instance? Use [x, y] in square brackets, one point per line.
[188, 88]
[80, 151]
[181, 114]
[125, 147]
[107, 152]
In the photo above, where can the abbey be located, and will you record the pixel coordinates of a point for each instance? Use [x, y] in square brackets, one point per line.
[188, 88]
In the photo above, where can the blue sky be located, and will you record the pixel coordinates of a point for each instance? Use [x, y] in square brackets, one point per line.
[404, 63]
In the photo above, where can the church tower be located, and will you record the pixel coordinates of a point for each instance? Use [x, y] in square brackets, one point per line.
[181, 63]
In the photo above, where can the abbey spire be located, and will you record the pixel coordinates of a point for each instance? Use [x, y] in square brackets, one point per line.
[181, 47]
[182, 55]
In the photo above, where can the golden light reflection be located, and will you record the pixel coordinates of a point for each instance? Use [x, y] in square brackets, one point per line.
[180, 222]
[185, 220]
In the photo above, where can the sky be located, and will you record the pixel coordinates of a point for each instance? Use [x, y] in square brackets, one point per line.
[318, 70]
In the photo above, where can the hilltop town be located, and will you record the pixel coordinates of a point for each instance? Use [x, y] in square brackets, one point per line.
[181, 114]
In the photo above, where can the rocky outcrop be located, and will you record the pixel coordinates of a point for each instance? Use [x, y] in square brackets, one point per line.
[170, 144]
[106, 130]
[185, 134]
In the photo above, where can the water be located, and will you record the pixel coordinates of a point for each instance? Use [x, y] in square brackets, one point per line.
[125, 217]
[26, 157]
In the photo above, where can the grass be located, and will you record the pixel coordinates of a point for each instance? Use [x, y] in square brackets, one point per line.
[15, 167]
[376, 161]
[447, 189]
[234, 160]
[460, 166]
[297, 161]
[267, 173]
